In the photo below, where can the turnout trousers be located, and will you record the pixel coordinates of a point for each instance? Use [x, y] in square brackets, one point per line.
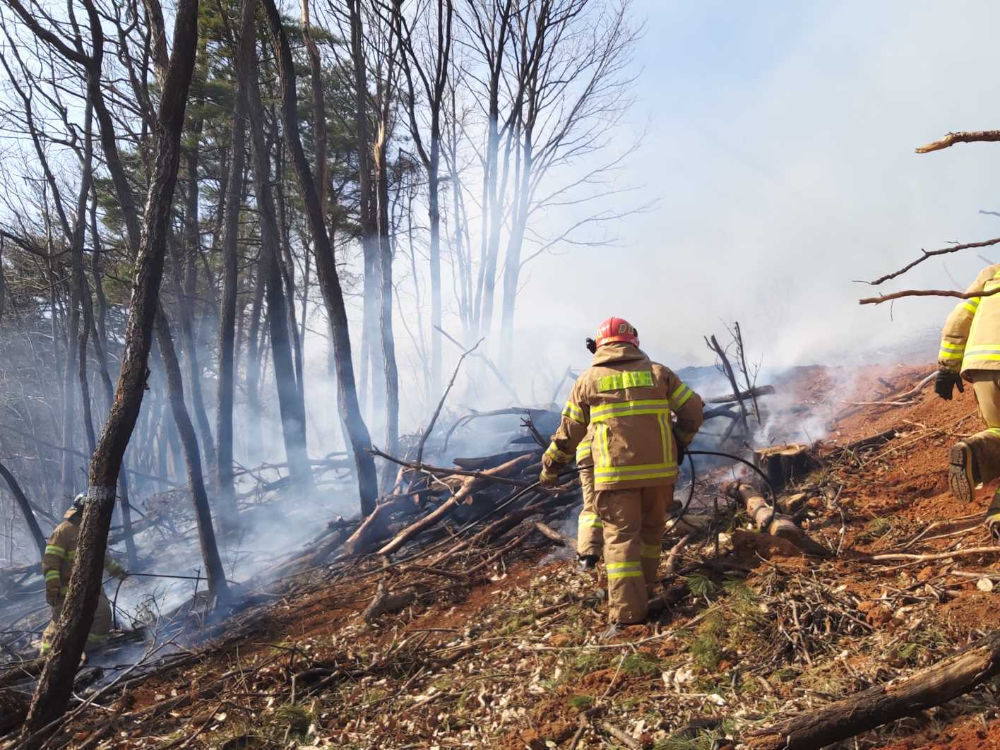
[985, 445]
[590, 532]
[633, 521]
[98, 631]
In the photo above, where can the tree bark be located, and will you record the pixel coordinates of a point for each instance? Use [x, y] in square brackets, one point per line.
[227, 319]
[25, 507]
[955, 676]
[329, 278]
[56, 682]
[254, 436]
[293, 418]
[391, 372]
[371, 329]
[217, 588]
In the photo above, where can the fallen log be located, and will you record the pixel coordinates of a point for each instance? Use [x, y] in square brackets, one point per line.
[361, 539]
[864, 711]
[386, 602]
[769, 521]
[761, 390]
[442, 472]
[471, 484]
[489, 462]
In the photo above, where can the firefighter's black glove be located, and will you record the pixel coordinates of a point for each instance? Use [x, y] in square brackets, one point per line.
[681, 452]
[591, 346]
[945, 382]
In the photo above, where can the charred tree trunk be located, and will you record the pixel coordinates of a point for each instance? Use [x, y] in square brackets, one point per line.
[385, 290]
[217, 587]
[329, 278]
[25, 507]
[99, 335]
[371, 329]
[184, 287]
[69, 406]
[293, 418]
[288, 271]
[56, 682]
[254, 435]
[227, 320]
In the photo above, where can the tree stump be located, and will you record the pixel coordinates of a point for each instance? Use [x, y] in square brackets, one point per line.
[784, 463]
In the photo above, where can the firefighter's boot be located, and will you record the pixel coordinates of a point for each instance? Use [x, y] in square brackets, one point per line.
[963, 475]
[993, 517]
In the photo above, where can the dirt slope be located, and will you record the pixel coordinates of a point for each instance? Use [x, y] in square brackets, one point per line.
[514, 663]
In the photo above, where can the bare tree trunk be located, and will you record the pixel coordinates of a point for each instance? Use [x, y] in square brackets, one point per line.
[254, 436]
[25, 507]
[185, 285]
[227, 319]
[385, 304]
[56, 682]
[512, 258]
[98, 330]
[293, 418]
[326, 268]
[287, 266]
[69, 405]
[369, 214]
[217, 588]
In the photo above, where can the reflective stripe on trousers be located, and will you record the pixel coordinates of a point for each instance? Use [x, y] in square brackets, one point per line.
[633, 534]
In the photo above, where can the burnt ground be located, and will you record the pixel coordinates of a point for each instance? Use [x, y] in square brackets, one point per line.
[511, 660]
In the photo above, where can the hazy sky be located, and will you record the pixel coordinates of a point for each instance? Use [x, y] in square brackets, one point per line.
[781, 138]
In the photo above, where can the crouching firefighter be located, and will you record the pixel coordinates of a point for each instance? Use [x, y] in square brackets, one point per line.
[57, 564]
[627, 403]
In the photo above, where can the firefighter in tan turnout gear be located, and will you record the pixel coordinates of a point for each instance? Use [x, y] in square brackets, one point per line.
[970, 351]
[57, 564]
[626, 402]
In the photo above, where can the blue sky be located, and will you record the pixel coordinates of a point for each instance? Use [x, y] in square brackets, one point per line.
[781, 139]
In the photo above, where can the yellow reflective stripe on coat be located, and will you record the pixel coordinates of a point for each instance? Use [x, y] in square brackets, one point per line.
[629, 409]
[607, 475]
[574, 412]
[590, 520]
[557, 455]
[624, 570]
[995, 431]
[650, 550]
[971, 305]
[622, 380]
[680, 396]
[54, 549]
[51, 575]
[951, 351]
[583, 450]
[982, 353]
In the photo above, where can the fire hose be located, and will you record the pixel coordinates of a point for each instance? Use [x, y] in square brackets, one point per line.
[508, 501]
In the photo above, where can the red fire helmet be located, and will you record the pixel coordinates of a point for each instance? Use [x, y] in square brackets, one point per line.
[617, 329]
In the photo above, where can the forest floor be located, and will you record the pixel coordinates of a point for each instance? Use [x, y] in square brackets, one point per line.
[515, 661]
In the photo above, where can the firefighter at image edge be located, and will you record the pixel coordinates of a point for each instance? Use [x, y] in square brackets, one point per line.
[57, 564]
[624, 404]
[970, 351]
